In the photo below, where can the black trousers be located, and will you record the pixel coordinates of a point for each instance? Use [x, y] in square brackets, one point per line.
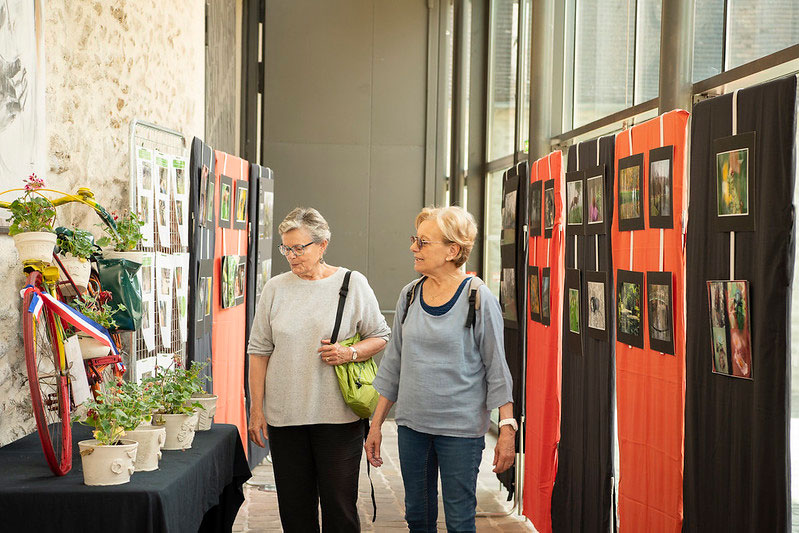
[316, 464]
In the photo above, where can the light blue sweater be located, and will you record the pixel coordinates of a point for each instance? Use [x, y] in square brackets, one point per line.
[445, 377]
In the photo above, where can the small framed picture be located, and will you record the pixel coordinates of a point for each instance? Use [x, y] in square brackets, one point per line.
[660, 311]
[545, 306]
[507, 296]
[596, 223]
[225, 201]
[240, 283]
[209, 199]
[203, 191]
[230, 264]
[534, 296]
[734, 183]
[574, 324]
[240, 219]
[549, 208]
[630, 189]
[730, 337]
[575, 207]
[596, 302]
[661, 187]
[629, 308]
[536, 190]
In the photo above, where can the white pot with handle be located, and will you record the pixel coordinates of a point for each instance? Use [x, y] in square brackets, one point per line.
[35, 246]
[133, 255]
[91, 348]
[79, 268]
[150, 439]
[179, 429]
[107, 464]
[206, 413]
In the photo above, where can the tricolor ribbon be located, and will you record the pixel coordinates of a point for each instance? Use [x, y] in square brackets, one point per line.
[71, 316]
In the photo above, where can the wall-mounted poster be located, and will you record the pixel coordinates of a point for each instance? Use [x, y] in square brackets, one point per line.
[575, 206]
[162, 199]
[596, 300]
[507, 294]
[661, 187]
[145, 194]
[595, 219]
[230, 266]
[240, 213]
[204, 297]
[660, 311]
[226, 203]
[203, 200]
[164, 269]
[147, 283]
[549, 207]
[545, 308]
[630, 308]
[509, 217]
[533, 290]
[536, 192]
[630, 191]
[180, 192]
[574, 326]
[734, 186]
[181, 262]
[209, 200]
[730, 337]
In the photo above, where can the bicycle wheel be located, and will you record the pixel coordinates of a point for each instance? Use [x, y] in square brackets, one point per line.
[48, 383]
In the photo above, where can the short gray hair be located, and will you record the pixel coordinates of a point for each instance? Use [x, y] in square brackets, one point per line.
[308, 218]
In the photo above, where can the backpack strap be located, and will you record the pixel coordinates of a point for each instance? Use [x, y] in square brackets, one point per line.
[342, 298]
[474, 300]
[410, 296]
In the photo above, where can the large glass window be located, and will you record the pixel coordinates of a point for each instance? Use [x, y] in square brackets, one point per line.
[503, 44]
[708, 38]
[647, 50]
[756, 28]
[524, 77]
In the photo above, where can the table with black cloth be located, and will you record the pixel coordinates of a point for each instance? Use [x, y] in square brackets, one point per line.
[198, 489]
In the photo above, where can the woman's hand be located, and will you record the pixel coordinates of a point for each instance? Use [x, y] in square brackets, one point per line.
[372, 447]
[505, 450]
[334, 354]
[256, 426]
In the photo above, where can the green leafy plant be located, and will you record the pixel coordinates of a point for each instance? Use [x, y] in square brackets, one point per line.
[98, 308]
[76, 242]
[32, 211]
[121, 408]
[128, 234]
[174, 387]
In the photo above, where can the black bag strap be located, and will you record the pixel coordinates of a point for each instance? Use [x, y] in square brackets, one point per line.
[474, 300]
[368, 470]
[342, 298]
[410, 296]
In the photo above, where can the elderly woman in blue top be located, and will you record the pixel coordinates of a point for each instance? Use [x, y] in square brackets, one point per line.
[445, 377]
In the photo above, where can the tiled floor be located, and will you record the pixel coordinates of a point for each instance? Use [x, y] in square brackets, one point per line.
[259, 511]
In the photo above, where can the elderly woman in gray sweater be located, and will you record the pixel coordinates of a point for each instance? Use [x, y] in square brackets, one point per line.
[314, 438]
[445, 369]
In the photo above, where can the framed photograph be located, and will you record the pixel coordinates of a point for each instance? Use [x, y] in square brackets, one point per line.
[660, 311]
[507, 295]
[203, 191]
[575, 207]
[225, 201]
[230, 264]
[533, 288]
[536, 190]
[574, 325]
[209, 199]
[147, 175]
[661, 187]
[549, 208]
[240, 283]
[734, 183]
[629, 308]
[596, 222]
[596, 302]
[730, 337]
[240, 212]
[631, 189]
[180, 181]
[545, 301]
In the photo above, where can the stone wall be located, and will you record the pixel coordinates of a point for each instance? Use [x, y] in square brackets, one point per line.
[108, 62]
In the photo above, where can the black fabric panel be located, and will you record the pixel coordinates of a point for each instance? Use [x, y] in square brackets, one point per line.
[736, 430]
[202, 240]
[582, 495]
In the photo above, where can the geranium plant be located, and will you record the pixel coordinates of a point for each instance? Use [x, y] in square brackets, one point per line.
[174, 386]
[98, 308]
[128, 234]
[121, 408]
[76, 242]
[32, 211]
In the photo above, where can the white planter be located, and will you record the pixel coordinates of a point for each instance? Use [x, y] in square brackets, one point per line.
[107, 465]
[206, 414]
[80, 269]
[136, 257]
[91, 347]
[35, 246]
[150, 439]
[179, 430]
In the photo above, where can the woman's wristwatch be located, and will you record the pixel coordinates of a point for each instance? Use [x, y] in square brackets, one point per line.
[508, 422]
[354, 353]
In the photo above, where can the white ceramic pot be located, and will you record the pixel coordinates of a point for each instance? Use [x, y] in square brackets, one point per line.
[35, 246]
[107, 465]
[206, 414]
[150, 439]
[91, 347]
[80, 269]
[136, 257]
[179, 430]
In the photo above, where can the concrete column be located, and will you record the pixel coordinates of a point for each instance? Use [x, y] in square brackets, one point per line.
[541, 48]
[676, 54]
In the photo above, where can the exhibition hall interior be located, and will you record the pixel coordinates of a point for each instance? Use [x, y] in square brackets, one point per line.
[603, 191]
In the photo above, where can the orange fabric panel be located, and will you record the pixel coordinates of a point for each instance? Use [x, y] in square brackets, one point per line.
[227, 342]
[650, 386]
[543, 361]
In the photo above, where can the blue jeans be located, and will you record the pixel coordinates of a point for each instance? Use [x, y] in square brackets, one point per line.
[422, 456]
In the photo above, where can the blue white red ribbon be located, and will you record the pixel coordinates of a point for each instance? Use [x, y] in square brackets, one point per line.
[68, 314]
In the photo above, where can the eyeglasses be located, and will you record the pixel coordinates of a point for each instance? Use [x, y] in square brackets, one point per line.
[297, 250]
[419, 242]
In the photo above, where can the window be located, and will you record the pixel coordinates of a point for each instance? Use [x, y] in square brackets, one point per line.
[524, 78]
[647, 50]
[708, 38]
[504, 36]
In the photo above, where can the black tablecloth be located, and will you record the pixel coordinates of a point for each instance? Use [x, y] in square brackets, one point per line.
[198, 489]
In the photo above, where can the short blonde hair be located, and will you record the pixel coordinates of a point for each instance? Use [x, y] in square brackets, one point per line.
[308, 218]
[456, 224]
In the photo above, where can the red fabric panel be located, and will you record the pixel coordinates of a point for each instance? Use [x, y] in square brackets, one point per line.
[228, 333]
[543, 361]
[650, 386]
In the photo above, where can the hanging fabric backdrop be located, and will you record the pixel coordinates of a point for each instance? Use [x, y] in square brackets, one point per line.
[736, 440]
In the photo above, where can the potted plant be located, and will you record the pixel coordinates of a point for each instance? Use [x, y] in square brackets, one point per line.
[108, 459]
[99, 309]
[127, 238]
[174, 387]
[207, 401]
[76, 247]
[150, 438]
[32, 217]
